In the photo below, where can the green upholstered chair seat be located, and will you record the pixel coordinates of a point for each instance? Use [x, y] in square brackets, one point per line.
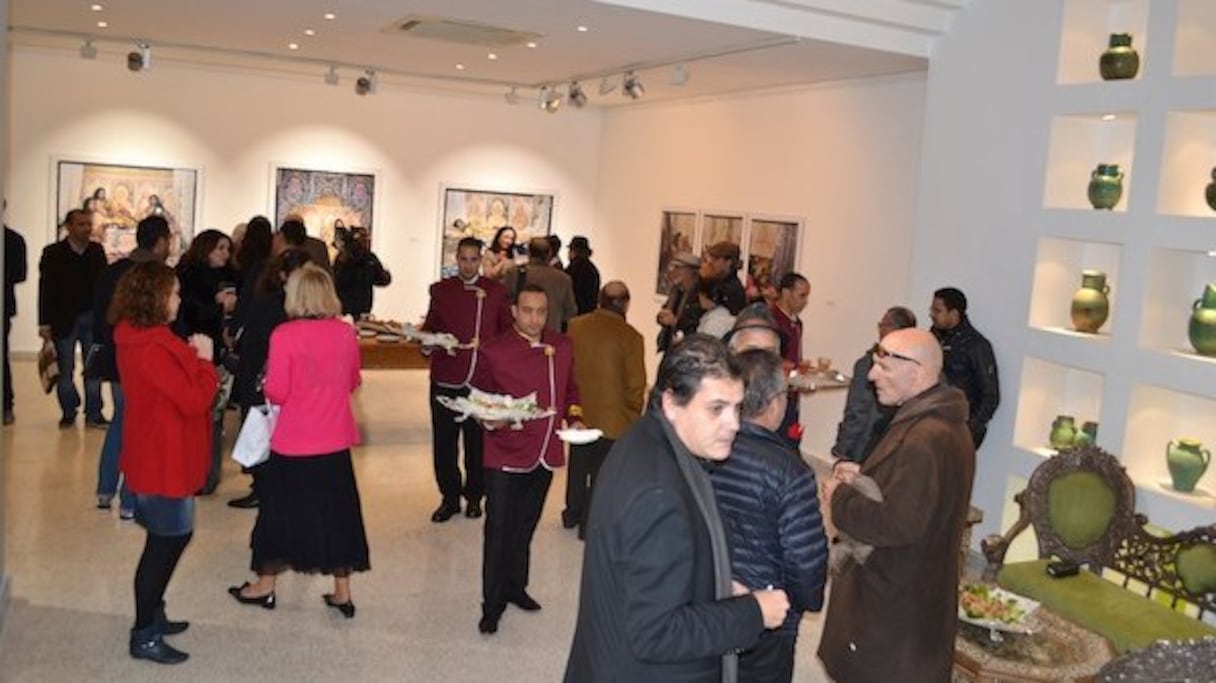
[1129, 621]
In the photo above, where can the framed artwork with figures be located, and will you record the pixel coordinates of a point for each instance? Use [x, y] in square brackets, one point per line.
[772, 251]
[480, 213]
[677, 233]
[121, 195]
[323, 199]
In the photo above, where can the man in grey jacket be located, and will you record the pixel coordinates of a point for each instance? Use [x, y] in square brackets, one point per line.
[555, 282]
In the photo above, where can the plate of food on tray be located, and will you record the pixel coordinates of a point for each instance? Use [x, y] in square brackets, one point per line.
[996, 609]
[443, 340]
[496, 407]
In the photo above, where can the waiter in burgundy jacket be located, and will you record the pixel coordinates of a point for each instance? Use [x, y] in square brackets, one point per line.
[793, 292]
[474, 309]
[520, 462]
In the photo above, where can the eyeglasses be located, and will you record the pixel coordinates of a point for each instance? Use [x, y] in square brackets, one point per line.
[882, 352]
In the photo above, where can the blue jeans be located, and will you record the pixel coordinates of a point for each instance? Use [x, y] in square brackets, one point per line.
[107, 467]
[65, 347]
[164, 516]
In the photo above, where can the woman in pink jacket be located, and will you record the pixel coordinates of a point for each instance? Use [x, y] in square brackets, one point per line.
[310, 519]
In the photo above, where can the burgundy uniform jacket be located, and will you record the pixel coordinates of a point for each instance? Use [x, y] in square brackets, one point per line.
[474, 314]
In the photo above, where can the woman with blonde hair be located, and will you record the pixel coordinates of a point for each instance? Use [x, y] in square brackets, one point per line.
[166, 436]
[310, 519]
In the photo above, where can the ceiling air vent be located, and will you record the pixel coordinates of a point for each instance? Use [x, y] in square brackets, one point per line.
[463, 32]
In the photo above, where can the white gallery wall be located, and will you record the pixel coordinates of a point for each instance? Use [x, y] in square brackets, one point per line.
[844, 156]
[4, 138]
[234, 125]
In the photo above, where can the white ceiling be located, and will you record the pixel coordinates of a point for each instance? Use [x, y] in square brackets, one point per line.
[727, 46]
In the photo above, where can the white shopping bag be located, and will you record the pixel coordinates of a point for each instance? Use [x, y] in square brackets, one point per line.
[253, 443]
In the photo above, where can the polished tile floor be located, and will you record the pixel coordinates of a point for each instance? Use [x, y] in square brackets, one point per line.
[71, 568]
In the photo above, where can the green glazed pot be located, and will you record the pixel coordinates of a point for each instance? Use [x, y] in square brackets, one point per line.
[1202, 328]
[1090, 304]
[1209, 192]
[1187, 460]
[1120, 61]
[1063, 431]
[1105, 186]
[1087, 435]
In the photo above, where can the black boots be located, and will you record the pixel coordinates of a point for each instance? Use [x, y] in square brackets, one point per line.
[165, 627]
[148, 643]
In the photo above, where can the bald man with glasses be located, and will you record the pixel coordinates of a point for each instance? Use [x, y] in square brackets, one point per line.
[894, 617]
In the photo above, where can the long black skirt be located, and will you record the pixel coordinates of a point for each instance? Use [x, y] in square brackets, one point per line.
[310, 519]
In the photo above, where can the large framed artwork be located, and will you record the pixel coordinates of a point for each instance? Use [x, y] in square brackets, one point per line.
[323, 199]
[772, 251]
[473, 212]
[121, 195]
[718, 227]
[677, 232]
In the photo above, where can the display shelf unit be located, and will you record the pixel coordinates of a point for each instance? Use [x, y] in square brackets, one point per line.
[1086, 26]
[1195, 38]
[1175, 279]
[1079, 142]
[1057, 276]
[1049, 389]
[1188, 156]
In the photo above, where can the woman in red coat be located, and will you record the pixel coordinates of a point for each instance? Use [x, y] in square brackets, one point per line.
[170, 386]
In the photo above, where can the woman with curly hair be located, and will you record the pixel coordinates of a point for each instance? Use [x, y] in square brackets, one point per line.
[166, 435]
[500, 254]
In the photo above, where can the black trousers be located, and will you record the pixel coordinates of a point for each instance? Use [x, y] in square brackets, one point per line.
[513, 506]
[8, 370]
[771, 661]
[584, 465]
[445, 435]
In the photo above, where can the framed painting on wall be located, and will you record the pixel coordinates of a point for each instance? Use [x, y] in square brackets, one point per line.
[480, 213]
[121, 195]
[677, 232]
[717, 227]
[772, 251]
[323, 199]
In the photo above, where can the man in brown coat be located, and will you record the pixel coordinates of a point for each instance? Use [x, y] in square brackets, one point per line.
[894, 618]
[608, 362]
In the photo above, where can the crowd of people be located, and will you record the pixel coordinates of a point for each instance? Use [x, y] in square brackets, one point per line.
[706, 534]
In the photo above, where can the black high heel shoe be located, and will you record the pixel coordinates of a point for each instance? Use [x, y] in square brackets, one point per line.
[346, 608]
[265, 601]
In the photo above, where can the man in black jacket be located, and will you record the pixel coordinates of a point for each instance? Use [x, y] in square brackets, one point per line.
[15, 268]
[67, 275]
[584, 276]
[151, 244]
[969, 361]
[357, 270]
[657, 602]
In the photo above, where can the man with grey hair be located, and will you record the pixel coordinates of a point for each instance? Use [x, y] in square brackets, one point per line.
[894, 618]
[557, 285]
[865, 419]
[657, 602]
[755, 328]
[770, 508]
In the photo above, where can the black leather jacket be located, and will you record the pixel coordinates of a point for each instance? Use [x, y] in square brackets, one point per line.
[970, 365]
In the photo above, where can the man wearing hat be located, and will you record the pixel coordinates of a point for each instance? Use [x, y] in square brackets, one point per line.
[682, 312]
[722, 263]
[584, 276]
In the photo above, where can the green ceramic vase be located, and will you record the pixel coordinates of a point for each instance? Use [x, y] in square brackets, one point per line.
[1202, 328]
[1120, 61]
[1090, 304]
[1063, 431]
[1209, 192]
[1087, 435]
[1187, 460]
[1105, 186]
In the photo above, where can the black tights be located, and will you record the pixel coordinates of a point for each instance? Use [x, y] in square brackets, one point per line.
[156, 566]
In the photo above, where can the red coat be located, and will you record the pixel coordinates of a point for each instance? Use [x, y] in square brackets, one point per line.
[792, 327]
[166, 431]
[512, 365]
[480, 311]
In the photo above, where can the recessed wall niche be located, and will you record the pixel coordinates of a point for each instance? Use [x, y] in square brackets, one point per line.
[1157, 416]
[1051, 389]
[1195, 38]
[1175, 280]
[1085, 34]
[1079, 143]
[1057, 276]
[1188, 160]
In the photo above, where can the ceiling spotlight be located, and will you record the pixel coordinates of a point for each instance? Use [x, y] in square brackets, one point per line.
[331, 76]
[550, 99]
[310, 32]
[632, 87]
[140, 59]
[293, 46]
[576, 95]
[606, 86]
[367, 83]
[678, 75]
[103, 24]
[330, 16]
[96, 7]
[512, 97]
[531, 43]
[88, 50]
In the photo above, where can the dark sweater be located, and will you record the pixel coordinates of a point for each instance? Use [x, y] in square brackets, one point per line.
[66, 283]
